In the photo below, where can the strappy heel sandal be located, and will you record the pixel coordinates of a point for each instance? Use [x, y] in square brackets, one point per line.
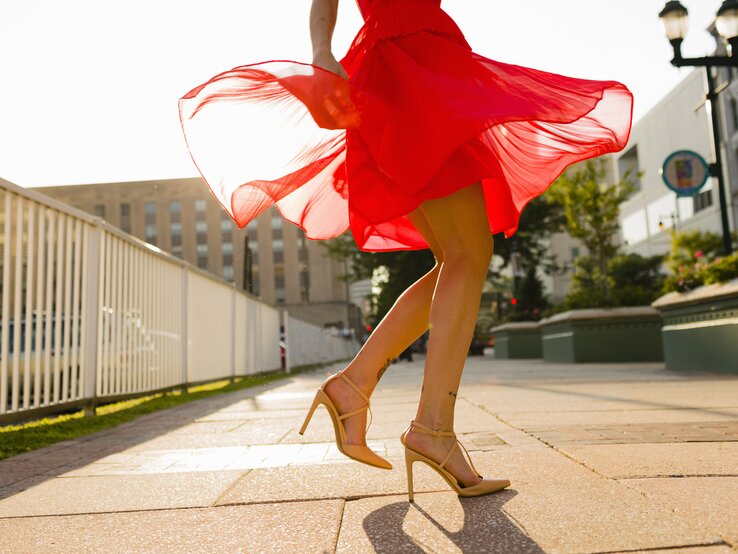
[486, 486]
[356, 452]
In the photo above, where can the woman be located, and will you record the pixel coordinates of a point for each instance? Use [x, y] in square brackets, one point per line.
[413, 141]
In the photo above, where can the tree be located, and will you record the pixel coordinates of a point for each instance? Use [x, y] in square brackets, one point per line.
[403, 268]
[592, 209]
[531, 302]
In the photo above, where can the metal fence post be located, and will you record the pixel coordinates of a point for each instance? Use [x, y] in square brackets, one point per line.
[233, 332]
[94, 305]
[185, 337]
[287, 345]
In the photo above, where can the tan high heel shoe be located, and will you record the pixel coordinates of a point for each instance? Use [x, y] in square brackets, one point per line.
[486, 486]
[356, 452]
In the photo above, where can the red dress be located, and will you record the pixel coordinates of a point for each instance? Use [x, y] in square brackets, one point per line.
[420, 117]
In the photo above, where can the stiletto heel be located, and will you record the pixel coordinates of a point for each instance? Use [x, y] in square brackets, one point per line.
[357, 452]
[310, 413]
[409, 465]
[486, 486]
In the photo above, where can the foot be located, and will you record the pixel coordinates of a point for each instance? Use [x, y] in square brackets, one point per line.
[436, 449]
[346, 400]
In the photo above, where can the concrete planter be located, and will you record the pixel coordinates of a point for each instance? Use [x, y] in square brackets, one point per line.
[700, 328]
[518, 340]
[630, 334]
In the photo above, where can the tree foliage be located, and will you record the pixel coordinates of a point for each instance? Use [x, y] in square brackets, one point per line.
[591, 208]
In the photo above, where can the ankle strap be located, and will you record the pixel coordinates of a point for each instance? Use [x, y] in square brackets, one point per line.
[420, 428]
[353, 386]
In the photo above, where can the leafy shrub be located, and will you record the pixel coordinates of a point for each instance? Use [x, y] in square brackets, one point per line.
[695, 260]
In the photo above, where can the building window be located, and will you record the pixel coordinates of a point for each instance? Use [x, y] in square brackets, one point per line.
[303, 257]
[703, 200]
[279, 295]
[201, 227]
[228, 272]
[227, 248]
[125, 217]
[574, 252]
[202, 249]
[734, 112]
[100, 210]
[628, 164]
[151, 233]
[200, 206]
[150, 208]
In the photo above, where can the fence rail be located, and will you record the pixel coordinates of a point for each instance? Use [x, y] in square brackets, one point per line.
[90, 313]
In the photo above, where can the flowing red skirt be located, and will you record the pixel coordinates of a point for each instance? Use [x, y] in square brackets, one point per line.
[420, 117]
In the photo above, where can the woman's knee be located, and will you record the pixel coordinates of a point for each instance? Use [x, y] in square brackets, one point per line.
[474, 254]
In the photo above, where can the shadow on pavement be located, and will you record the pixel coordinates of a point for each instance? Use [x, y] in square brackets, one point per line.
[486, 527]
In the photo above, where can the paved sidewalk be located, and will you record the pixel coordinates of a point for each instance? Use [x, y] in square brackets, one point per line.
[602, 458]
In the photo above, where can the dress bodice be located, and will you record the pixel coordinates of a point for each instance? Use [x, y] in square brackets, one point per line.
[393, 18]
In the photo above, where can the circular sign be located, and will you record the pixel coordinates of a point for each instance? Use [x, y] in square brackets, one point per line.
[685, 172]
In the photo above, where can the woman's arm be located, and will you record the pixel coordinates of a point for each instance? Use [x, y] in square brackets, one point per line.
[323, 15]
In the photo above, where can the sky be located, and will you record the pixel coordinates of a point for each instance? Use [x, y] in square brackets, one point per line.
[89, 88]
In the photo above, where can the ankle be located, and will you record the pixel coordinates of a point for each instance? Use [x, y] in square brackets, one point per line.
[436, 422]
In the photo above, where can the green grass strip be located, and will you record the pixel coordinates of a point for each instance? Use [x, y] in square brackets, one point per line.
[24, 437]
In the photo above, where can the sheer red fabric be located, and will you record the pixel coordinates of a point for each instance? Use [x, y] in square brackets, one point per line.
[420, 117]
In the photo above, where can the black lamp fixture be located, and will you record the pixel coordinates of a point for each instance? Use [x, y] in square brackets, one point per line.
[675, 18]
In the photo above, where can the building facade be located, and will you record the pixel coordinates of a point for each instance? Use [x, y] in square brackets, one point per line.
[681, 121]
[270, 257]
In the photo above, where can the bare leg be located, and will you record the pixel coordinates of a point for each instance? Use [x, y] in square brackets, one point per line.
[460, 225]
[407, 320]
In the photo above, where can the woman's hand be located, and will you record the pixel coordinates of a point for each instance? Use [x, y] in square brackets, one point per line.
[327, 61]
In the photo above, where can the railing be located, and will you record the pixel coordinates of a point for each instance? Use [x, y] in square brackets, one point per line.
[89, 313]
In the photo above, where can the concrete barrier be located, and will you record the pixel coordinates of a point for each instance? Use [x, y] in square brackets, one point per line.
[518, 340]
[700, 328]
[629, 334]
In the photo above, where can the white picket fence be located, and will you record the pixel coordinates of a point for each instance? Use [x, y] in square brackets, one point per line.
[89, 313]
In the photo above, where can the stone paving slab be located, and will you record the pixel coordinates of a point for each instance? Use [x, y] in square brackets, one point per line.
[536, 420]
[566, 508]
[620, 461]
[84, 495]
[697, 431]
[713, 501]
[509, 399]
[241, 452]
[718, 391]
[280, 528]
[328, 481]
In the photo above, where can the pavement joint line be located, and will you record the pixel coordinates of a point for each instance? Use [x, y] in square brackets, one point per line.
[551, 446]
[674, 476]
[665, 506]
[659, 405]
[676, 548]
[339, 526]
[230, 487]
[173, 509]
[350, 498]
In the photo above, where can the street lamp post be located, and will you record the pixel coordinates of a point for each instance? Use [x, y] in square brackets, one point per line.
[675, 18]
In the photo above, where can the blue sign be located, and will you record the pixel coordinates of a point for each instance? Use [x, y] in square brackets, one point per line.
[685, 172]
